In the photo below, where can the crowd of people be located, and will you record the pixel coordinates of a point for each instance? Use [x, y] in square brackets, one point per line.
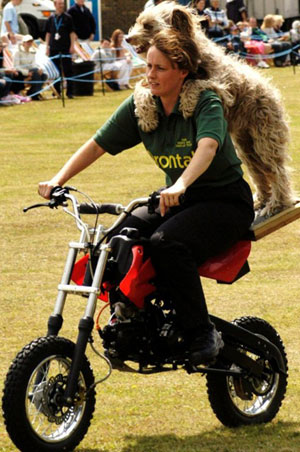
[63, 29]
[240, 34]
[230, 27]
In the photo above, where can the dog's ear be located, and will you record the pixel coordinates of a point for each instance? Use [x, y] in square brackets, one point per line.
[181, 21]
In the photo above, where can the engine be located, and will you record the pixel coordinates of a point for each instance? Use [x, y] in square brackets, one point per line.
[147, 336]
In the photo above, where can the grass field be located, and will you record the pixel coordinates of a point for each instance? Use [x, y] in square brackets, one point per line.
[134, 413]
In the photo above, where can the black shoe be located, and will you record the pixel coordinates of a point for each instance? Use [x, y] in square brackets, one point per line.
[70, 96]
[205, 345]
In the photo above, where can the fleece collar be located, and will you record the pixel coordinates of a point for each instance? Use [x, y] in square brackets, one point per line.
[146, 108]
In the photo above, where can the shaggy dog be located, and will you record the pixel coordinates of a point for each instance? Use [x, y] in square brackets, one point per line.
[252, 106]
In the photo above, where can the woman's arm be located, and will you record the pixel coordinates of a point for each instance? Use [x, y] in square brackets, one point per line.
[204, 155]
[84, 157]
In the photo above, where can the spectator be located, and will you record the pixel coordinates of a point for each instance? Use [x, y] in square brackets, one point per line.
[256, 43]
[234, 42]
[278, 42]
[236, 11]
[295, 32]
[217, 20]
[256, 32]
[60, 38]
[10, 25]
[106, 63]
[199, 7]
[123, 59]
[11, 82]
[295, 40]
[278, 23]
[84, 22]
[24, 62]
[5, 81]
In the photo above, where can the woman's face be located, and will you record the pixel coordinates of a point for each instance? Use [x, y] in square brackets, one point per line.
[120, 38]
[27, 45]
[200, 4]
[165, 79]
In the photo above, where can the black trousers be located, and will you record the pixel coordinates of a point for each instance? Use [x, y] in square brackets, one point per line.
[38, 81]
[187, 236]
[64, 66]
[17, 84]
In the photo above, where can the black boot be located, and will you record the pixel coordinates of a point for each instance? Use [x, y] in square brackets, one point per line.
[205, 344]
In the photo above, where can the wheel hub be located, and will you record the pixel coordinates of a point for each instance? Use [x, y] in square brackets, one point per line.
[52, 400]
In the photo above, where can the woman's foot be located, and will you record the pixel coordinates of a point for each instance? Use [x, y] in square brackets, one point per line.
[205, 344]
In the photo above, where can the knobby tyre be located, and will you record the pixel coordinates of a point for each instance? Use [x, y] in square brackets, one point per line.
[237, 401]
[35, 418]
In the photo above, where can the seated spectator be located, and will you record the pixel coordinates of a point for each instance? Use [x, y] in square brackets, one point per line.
[278, 23]
[123, 59]
[295, 40]
[277, 41]
[234, 42]
[257, 44]
[199, 6]
[105, 62]
[24, 62]
[244, 27]
[5, 82]
[7, 77]
[217, 20]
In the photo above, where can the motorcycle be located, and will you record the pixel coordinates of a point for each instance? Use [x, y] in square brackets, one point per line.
[49, 392]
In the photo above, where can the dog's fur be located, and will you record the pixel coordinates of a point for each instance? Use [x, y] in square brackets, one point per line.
[252, 106]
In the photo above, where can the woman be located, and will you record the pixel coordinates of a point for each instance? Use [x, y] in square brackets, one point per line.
[123, 59]
[199, 7]
[24, 62]
[184, 130]
[277, 40]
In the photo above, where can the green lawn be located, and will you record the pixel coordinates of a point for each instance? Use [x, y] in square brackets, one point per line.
[134, 413]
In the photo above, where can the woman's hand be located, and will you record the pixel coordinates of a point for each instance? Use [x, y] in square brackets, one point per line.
[45, 188]
[170, 196]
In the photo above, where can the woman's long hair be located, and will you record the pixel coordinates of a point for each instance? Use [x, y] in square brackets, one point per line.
[114, 40]
[181, 49]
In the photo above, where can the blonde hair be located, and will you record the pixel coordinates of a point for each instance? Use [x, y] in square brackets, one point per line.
[278, 19]
[268, 21]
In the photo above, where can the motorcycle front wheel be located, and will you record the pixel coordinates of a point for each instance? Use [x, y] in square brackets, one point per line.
[249, 400]
[35, 417]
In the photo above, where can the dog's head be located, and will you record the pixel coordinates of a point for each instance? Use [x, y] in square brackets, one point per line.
[153, 20]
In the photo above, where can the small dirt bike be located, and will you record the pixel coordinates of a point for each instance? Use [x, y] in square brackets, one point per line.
[49, 393]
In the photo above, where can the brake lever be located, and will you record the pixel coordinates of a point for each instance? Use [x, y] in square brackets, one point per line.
[44, 204]
[57, 199]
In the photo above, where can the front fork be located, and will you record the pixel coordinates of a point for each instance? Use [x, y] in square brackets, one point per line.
[86, 323]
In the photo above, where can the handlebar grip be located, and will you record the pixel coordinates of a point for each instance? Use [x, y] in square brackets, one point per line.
[112, 209]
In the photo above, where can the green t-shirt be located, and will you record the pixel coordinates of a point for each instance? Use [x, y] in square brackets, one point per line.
[173, 143]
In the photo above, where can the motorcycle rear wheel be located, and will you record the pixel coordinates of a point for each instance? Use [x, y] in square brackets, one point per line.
[34, 417]
[237, 402]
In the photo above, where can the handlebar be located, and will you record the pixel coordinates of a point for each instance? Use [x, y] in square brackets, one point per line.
[57, 198]
[112, 209]
[60, 195]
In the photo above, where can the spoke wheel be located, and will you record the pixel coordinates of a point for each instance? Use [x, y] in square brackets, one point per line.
[249, 400]
[34, 413]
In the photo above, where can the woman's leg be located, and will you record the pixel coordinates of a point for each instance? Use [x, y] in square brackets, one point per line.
[179, 246]
[38, 83]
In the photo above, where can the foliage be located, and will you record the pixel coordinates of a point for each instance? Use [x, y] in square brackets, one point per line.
[134, 413]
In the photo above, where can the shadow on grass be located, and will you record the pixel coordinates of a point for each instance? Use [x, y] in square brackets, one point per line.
[282, 437]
